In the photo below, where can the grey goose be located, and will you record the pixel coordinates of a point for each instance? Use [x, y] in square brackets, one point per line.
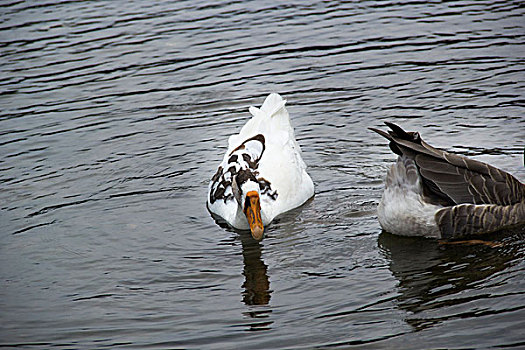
[434, 193]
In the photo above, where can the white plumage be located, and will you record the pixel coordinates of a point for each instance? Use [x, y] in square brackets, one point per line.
[264, 159]
[403, 209]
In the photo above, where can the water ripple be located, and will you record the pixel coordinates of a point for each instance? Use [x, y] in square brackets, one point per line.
[115, 116]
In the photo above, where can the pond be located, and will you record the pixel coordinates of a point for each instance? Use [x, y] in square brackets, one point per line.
[116, 114]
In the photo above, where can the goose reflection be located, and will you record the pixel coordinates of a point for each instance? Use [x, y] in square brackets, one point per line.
[256, 284]
[256, 287]
[434, 276]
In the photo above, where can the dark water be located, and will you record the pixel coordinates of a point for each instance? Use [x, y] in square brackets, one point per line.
[115, 114]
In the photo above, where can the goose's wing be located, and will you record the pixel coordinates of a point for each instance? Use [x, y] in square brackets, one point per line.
[470, 219]
[452, 179]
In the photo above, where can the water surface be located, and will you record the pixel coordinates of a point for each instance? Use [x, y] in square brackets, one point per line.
[115, 115]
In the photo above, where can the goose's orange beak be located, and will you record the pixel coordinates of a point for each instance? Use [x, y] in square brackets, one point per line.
[252, 209]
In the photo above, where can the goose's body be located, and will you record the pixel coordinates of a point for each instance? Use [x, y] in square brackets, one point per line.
[262, 173]
[433, 193]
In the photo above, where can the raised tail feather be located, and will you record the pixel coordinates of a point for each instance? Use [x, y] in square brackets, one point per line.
[271, 120]
[272, 106]
[477, 197]
[455, 178]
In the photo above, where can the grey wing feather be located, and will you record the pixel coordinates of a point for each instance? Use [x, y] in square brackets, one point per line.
[470, 219]
[452, 177]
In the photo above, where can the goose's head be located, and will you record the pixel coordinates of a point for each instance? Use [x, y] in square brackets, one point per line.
[246, 192]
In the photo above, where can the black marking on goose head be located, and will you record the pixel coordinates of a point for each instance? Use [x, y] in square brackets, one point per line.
[232, 159]
[217, 175]
[259, 137]
[266, 188]
[242, 166]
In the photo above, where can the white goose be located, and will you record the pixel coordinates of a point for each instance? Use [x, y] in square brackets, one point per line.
[433, 193]
[262, 174]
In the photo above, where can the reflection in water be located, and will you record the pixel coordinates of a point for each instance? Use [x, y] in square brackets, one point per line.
[256, 284]
[434, 277]
[114, 118]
